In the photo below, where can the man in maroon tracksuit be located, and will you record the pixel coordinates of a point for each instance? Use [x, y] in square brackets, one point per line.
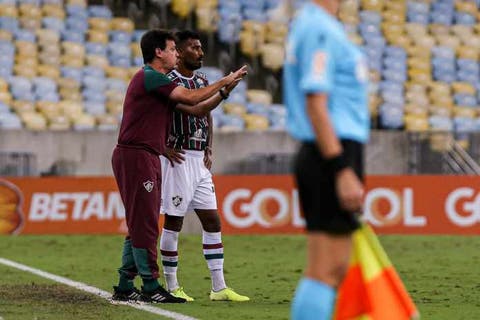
[146, 116]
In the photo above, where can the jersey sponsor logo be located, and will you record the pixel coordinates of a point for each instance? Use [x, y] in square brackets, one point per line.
[319, 64]
[148, 185]
[177, 200]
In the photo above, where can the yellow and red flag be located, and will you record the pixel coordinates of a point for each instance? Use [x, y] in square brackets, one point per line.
[372, 289]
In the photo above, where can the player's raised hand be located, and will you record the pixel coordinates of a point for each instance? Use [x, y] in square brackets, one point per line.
[174, 155]
[349, 190]
[235, 76]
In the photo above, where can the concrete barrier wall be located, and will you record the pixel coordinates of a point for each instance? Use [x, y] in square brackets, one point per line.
[90, 152]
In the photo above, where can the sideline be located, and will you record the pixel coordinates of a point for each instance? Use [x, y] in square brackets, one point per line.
[90, 289]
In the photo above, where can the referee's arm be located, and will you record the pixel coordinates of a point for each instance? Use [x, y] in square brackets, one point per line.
[349, 189]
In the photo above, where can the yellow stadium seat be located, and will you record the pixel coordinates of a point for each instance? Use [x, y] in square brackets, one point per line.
[23, 71]
[349, 18]
[49, 59]
[440, 86]
[373, 103]
[68, 84]
[73, 49]
[97, 36]
[465, 52]
[414, 29]
[48, 108]
[415, 123]
[259, 96]
[59, 123]
[374, 76]
[81, 3]
[425, 41]
[419, 52]
[276, 32]
[71, 95]
[438, 29]
[394, 16]
[414, 109]
[132, 71]
[374, 5]
[440, 111]
[72, 61]
[107, 121]
[461, 29]
[114, 107]
[472, 41]
[30, 11]
[3, 85]
[85, 121]
[30, 24]
[97, 61]
[136, 50]
[356, 38]
[207, 19]
[419, 75]
[255, 122]
[122, 24]
[25, 48]
[235, 108]
[419, 98]
[99, 24]
[448, 41]
[441, 142]
[182, 8]
[401, 41]
[34, 121]
[53, 10]
[47, 36]
[6, 35]
[466, 112]
[420, 63]
[49, 71]
[8, 10]
[273, 56]
[466, 6]
[396, 6]
[442, 100]
[5, 97]
[115, 95]
[415, 87]
[26, 61]
[22, 106]
[463, 87]
[117, 73]
[70, 108]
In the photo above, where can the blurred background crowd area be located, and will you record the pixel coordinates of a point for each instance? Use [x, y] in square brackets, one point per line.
[65, 65]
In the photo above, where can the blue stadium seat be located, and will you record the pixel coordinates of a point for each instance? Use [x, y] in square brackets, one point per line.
[24, 35]
[53, 23]
[77, 24]
[120, 37]
[440, 123]
[10, 121]
[96, 48]
[71, 72]
[99, 11]
[391, 116]
[9, 23]
[76, 11]
[73, 36]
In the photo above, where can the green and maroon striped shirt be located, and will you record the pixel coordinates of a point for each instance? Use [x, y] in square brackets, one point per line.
[188, 131]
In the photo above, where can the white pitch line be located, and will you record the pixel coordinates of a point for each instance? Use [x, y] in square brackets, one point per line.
[98, 292]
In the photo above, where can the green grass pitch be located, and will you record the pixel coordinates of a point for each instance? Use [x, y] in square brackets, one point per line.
[440, 272]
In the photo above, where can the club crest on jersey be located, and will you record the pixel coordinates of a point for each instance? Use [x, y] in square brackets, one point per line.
[200, 83]
[148, 185]
[177, 200]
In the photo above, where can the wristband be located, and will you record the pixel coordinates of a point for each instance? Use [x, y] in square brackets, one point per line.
[223, 94]
[336, 163]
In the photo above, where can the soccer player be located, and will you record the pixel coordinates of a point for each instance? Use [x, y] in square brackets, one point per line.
[325, 81]
[136, 163]
[187, 184]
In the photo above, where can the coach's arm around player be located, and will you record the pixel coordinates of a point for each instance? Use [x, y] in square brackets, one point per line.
[194, 97]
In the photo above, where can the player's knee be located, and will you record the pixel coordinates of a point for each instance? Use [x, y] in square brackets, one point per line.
[173, 223]
[211, 222]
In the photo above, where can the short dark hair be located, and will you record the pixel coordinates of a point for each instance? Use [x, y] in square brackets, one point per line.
[185, 35]
[153, 39]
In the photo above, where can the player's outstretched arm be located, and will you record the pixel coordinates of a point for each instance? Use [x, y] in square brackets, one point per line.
[203, 108]
[193, 97]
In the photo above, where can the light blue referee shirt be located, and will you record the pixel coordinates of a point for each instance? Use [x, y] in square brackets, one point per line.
[321, 59]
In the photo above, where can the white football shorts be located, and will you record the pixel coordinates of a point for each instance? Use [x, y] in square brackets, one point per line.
[187, 186]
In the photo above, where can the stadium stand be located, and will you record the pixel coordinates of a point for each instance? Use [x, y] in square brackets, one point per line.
[66, 65]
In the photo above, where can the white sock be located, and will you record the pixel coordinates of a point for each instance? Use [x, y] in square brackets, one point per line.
[213, 253]
[168, 250]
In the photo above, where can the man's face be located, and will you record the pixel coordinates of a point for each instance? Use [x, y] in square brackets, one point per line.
[169, 56]
[191, 54]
